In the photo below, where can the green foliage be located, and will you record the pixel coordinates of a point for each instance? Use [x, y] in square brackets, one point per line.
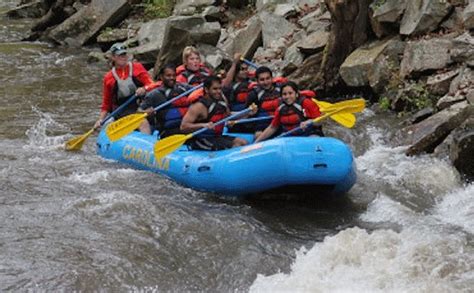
[377, 3]
[158, 8]
[384, 103]
[419, 97]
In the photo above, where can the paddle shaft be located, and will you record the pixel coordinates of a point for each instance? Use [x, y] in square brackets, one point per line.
[255, 119]
[161, 106]
[249, 63]
[243, 112]
[329, 113]
[119, 109]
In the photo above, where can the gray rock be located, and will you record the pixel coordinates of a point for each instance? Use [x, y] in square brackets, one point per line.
[439, 84]
[369, 65]
[34, 9]
[470, 97]
[267, 4]
[422, 16]
[421, 115]
[213, 56]
[313, 43]
[285, 10]
[448, 101]
[454, 22]
[463, 48]
[245, 40]
[275, 27]
[212, 13]
[96, 56]
[190, 7]
[307, 73]
[462, 82]
[294, 56]
[426, 135]
[389, 11]
[84, 26]
[462, 148]
[425, 55]
[468, 16]
[182, 31]
[150, 40]
[113, 36]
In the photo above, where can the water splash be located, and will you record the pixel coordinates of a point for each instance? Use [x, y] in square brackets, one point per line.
[38, 134]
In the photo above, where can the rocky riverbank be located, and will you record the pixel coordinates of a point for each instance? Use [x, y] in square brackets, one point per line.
[410, 56]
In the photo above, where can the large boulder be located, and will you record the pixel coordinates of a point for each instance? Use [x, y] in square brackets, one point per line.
[244, 40]
[425, 55]
[190, 7]
[313, 43]
[438, 84]
[33, 9]
[429, 133]
[422, 16]
[83, 27]
[275, 27]
[150, 40]
[468, 16]
[372, 65]
[462, 148]
[463, 49]
[182, 31]
[307, 73]
[390, 11]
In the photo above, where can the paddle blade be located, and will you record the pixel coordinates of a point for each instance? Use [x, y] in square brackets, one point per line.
[345, 119]
[120, 128]
[169, 144]
[75, 144]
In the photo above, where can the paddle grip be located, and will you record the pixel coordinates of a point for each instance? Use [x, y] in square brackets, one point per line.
[178, 97]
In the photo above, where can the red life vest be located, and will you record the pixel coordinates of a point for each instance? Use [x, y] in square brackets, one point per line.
[291, 115]
[175, 112]
[240, 92]
[268, 101]
[192, 77]
[216, 111]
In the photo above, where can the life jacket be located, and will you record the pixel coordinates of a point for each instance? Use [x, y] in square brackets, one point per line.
[292, 115]
[267, 101]
[240, 92]
[216, 111]
[125, 88]
[192, 77]
[175, 112]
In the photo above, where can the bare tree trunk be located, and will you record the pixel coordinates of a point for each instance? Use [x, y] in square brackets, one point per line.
[349, 30]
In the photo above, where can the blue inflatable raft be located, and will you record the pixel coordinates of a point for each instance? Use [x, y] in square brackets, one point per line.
[288, 163]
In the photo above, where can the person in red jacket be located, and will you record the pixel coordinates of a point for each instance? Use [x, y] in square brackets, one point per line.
[125, 79]
[192, 72]
[295, 111]
[209, 109]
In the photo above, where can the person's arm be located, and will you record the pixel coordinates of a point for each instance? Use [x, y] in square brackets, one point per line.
[312, 112]
[269, 131]
[144, 77]
[106, 106]
[227, 81]
[196, 111]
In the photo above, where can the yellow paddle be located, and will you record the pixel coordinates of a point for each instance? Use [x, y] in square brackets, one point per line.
[345, 119]
[120, 128]
[76, 143]
[349, 106]
[169, 144]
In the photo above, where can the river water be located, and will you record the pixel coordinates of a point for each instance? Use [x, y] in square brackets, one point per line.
[73, 221]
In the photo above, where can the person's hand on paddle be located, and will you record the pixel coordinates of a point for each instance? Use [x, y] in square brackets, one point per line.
[253, 109]
[231, 123]
[209, 125]
[141, 91]
[98, 124]
[306, 124]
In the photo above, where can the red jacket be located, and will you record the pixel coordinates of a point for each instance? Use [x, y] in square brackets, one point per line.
[109, 84]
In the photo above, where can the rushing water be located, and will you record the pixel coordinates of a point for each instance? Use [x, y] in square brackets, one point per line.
[73, 221]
